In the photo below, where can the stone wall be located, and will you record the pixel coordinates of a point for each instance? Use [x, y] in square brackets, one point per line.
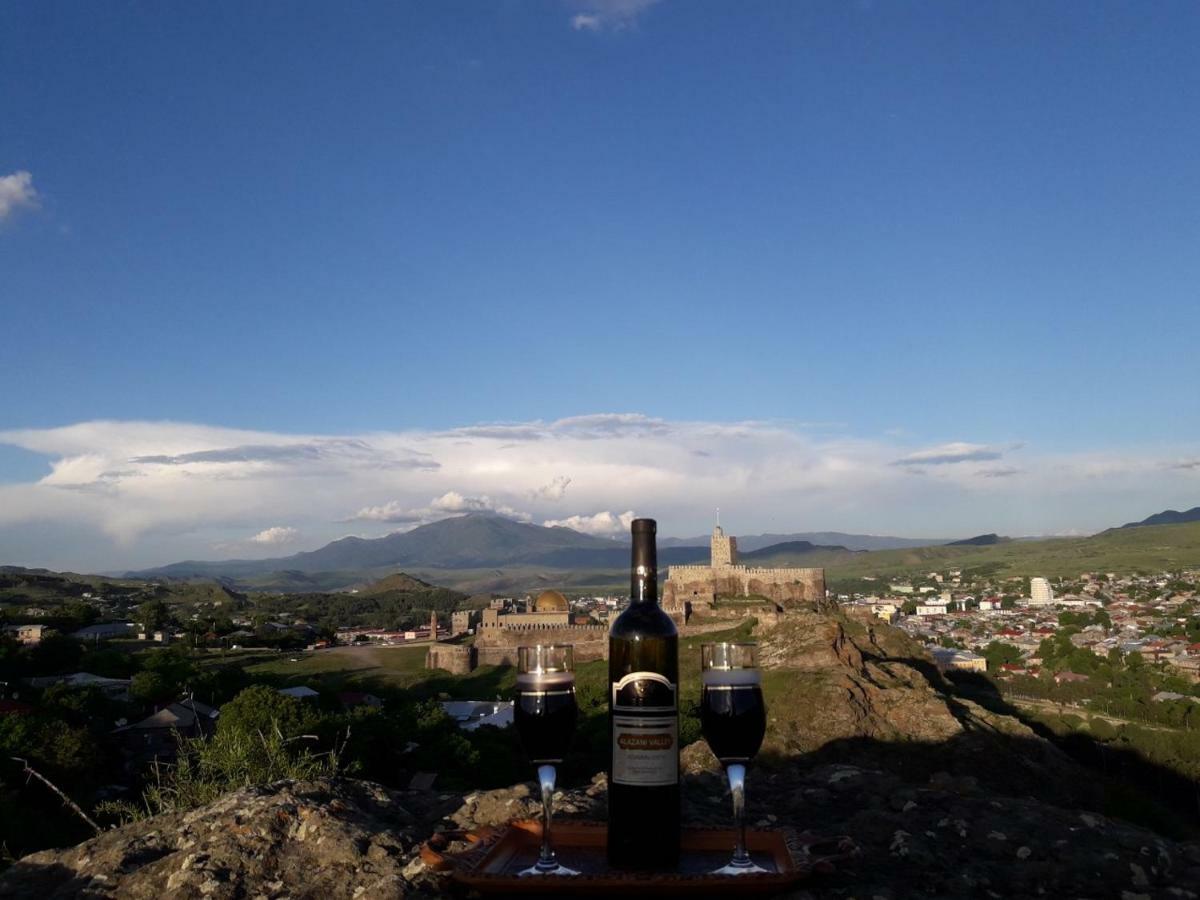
[497, 646]
[690, 589]
[454, 658]
[585, 651]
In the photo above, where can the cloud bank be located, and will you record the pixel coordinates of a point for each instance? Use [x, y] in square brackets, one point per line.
[603, 524]
[120, 494]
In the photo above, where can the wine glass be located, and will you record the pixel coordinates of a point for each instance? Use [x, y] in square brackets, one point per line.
[733, 720]
[545, 713]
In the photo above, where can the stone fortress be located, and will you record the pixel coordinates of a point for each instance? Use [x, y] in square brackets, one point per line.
[693, 590]
[690, 594]
[500, 634]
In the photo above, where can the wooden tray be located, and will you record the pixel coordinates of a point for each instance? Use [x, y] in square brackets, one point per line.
[493, 857]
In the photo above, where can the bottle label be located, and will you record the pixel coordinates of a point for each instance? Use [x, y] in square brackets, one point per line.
[645, 730]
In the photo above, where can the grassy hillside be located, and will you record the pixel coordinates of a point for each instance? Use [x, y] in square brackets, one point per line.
[1147, 549]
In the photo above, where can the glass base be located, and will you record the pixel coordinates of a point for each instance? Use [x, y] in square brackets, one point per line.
[553, 868]
[733, 867]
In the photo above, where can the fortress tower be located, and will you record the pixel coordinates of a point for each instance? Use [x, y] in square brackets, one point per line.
[696, 589]
[724, 549]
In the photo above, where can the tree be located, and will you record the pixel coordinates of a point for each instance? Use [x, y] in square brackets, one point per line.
[998, 653]
[151, 688]
[81, 613]
[153, 615]
[260, 709]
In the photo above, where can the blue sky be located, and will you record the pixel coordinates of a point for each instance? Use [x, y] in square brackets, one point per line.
[901, 226]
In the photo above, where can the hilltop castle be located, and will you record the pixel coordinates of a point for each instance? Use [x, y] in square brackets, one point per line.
[694, 589]
[689, 590]
[501, 633]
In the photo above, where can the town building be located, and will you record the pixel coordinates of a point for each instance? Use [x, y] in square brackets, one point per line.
[1040, 592]
[964, 660]
[547, 620]
[30, 635]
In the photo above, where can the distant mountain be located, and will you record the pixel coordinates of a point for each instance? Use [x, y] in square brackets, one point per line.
[981, 540]
[752, 542]
[1168, 517]
[470, 541]
[475, 541]
[795, 553]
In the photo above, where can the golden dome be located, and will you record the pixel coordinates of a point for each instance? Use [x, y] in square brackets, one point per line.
[550, 601]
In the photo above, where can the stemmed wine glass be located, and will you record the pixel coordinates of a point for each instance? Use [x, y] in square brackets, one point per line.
[545, 713]
[733, 719]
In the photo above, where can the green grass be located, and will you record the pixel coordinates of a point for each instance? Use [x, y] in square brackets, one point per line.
[1147, 549]
[342, 668]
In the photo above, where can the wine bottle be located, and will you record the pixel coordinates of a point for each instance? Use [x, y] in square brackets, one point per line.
[643, 710]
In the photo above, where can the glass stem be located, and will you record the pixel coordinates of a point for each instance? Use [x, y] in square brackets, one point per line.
[736, 773]
[546, 777]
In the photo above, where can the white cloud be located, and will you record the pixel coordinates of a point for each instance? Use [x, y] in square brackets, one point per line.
[613, 15]
[276, 534]
[128, 494]
[944, 454]
[555, 489]
[603, 524]
[451, 503]
[17, 192]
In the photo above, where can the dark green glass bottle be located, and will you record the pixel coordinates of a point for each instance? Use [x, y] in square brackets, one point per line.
[643, 710]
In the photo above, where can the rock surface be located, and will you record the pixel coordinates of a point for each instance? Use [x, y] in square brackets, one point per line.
[341, 838]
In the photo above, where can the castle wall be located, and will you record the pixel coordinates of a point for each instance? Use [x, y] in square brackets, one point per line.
[512, 620]
[699, 585]
[454, 658]
[498, 646]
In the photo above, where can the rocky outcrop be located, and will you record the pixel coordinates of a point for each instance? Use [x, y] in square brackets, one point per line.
[941, 837]
[857, 692]
[331, 839]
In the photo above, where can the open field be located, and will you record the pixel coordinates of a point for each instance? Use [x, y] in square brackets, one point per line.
[396, 667]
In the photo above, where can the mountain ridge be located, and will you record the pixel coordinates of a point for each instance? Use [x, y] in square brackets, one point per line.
[750, 543]
[460, 542]
[1168, 517]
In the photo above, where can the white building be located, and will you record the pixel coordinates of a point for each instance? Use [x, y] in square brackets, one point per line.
[1040, 593]
[958, 659]
[931, 609]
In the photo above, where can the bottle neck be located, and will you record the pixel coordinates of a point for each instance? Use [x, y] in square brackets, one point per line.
[643, 574]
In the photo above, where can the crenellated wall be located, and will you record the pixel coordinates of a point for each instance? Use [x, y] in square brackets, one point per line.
[695, 588]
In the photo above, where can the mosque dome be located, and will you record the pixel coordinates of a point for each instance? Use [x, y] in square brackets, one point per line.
[550, 601]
